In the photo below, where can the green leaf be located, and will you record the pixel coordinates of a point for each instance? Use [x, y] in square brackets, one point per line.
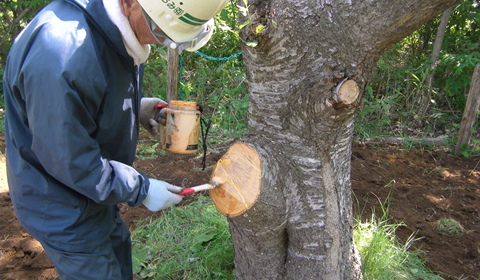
[223, 14]
[259, 29]
[252, 44]
[202, 238]
[389, 101]
[244, 24]
[370, 91]
[465, 154]
[385, 106]
[138, 260]
[415, 76]
[220, 68]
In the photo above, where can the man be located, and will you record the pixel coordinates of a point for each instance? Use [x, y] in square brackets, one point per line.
[72, 87]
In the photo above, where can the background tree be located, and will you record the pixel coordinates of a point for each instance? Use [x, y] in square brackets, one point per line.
[301, 225]
[397, 91]
[15, 15]
[437, 46]
[439, 41]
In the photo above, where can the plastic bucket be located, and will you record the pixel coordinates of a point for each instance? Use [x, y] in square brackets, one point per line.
[180, 135]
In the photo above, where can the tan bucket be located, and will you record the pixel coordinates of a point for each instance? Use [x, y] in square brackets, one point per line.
[180, 135]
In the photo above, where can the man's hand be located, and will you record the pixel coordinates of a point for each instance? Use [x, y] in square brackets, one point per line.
[161, 117]
[161, 195]
[149, 116]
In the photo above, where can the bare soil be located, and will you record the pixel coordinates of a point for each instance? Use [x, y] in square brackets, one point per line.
[421, 187]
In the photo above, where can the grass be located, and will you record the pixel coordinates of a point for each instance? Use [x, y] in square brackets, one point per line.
[189, 242]
[149, 148]
[383, 256]
[193, 242]
[147, 151]
[2, 116]
[449, 227]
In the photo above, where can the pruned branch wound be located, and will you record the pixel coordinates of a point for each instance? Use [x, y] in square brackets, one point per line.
[345, 93]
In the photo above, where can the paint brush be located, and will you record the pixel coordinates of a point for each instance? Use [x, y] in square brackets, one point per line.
[214, 182]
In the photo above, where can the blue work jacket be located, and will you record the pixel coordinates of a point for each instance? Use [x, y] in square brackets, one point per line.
[72, 98]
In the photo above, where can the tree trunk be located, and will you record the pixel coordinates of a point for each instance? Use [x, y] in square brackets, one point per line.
[301, 225]
[470, 113]
[437, 46]
[425, 97]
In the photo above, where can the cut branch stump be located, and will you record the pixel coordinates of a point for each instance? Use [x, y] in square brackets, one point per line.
[346, 93]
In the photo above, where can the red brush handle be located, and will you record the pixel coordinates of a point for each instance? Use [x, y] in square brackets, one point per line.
[160, 106]
[187, 191]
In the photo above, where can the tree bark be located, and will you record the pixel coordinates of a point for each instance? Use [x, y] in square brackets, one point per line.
[173, 62]
[437, 46]
[470, 114]
[425, 99]
[301, 225]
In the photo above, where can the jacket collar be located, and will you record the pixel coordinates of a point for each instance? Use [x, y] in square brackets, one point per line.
[137, 51]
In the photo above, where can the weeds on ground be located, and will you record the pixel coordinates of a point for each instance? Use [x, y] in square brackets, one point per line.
[383, 256]
[150, 148]
[189, 242]
[450, 227]
[193, 242]
[146, 151]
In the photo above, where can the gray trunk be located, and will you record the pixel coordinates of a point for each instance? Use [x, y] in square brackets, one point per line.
[301, 225]
[437, 46]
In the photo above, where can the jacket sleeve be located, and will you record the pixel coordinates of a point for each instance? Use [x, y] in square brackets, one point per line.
[63, 88]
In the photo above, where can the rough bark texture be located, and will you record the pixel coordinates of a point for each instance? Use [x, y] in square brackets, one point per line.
[437, 47]
[301, 225]
[173, 70]
[470, 113]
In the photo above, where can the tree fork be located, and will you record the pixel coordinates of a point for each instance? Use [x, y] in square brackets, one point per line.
[301, 123]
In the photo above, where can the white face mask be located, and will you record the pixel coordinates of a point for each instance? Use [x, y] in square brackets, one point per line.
[191, 46]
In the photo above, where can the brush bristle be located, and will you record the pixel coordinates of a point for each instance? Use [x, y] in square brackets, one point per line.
[217, 181]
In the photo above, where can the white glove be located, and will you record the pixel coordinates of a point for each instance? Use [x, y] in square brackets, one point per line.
[148, 114]
[161, 195]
